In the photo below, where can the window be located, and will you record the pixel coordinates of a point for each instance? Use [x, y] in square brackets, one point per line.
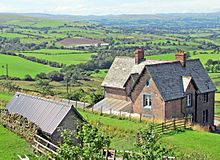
[205, 116]
[205, 97]
[189, 100]
[148, 83]
[147, 101]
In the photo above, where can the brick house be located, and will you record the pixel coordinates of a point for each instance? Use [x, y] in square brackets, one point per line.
[162, 89]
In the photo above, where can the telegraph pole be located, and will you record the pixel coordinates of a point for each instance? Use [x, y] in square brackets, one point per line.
[6, 72]
[6, 69]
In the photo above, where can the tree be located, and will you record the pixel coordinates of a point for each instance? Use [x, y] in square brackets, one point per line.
[91, 143]
[28, 78]
[44, 87]
[150, 147]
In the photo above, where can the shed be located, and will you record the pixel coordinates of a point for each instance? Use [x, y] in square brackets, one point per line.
[49, 115]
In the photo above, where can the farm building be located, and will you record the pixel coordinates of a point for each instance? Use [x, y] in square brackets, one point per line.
[48, 114]
[160, 89]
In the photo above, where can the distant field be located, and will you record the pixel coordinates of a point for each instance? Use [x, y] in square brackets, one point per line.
[204, 57]
[19, 67]
[162, 57]
[56, 51]
[101, 74]
[61, 56]
[79, 41]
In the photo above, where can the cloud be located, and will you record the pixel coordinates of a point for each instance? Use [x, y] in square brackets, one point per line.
[101, 7]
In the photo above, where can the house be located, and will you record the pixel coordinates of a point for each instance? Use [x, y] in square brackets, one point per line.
[161, 89]
[48, 114]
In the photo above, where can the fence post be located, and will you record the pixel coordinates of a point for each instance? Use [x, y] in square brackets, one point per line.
[174, 124]
[76, 104]
[130, 116]
[110, 111]
[140, 117]
[162, 127]
[92, 109]
[101, 110]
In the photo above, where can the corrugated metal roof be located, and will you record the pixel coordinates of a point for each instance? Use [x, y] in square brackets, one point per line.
[108, 104]
[47, 114]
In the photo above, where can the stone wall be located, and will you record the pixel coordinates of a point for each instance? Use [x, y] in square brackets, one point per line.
[18, 124]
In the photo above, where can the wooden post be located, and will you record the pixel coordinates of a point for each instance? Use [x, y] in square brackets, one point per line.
[101, 110]
[76, 104]
[162, 127]
[110, 111]
[92, 109]
[184, 123]
[140, 117]
[174, 124]
[130, 116]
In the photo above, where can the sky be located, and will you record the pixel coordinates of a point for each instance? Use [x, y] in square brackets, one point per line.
[105, 7]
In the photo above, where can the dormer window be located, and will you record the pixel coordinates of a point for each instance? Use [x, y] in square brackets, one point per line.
[147, 101]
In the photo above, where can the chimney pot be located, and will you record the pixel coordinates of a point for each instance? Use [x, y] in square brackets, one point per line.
[139, 55]
[181, 56]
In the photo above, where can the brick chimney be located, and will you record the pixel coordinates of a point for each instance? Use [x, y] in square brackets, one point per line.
[181, 56]
[139, 55]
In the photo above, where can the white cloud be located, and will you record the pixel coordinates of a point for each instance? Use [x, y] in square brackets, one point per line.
[100, 7]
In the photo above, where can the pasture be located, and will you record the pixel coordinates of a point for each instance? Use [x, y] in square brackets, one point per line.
[19, 67]
[61, 56]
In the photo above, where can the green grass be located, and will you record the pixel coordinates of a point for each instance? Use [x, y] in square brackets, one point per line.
[68, 59]
[125, 125]
[101, 74]
[204, 57]
[19, 67]
[194, 141]
[56, 51]
[5, 96]
[162, 57]
[12, 145]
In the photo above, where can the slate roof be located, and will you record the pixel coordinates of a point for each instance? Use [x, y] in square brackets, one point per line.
[122, 68]
[169, 81]
[168, 75]
[47, 114]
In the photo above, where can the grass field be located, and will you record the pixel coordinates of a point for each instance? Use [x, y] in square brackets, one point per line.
[12, 145]
[68, 59]
[19, 67]
[186, 142]
[194, 141]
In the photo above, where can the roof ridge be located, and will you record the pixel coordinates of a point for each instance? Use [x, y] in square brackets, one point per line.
[45, 99]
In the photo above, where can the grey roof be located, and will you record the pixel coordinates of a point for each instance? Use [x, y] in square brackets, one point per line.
[168, 78]
[47, 114]
[168, 75]
[122, 68]
[108, 104]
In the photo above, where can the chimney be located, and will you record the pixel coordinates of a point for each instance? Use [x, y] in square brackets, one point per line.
[181, 56]
[139, 55]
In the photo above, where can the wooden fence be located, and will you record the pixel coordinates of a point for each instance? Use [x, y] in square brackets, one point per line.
[174, 124]
[44, 147]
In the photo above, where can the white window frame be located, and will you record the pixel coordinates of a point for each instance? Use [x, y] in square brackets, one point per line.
[189, 100]
[147, 101]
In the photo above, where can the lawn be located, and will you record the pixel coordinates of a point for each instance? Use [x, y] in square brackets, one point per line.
[101, 73]
[194, 141]
[12, 145]
[19, 67]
